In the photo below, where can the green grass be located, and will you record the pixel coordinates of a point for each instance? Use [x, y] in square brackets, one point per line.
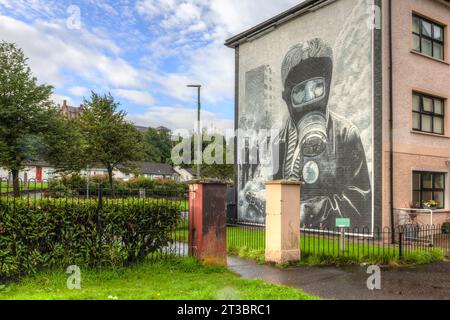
[24, 187]
[250, 243]
[178, 279]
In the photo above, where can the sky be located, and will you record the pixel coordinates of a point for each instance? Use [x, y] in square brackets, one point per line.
[143, 52]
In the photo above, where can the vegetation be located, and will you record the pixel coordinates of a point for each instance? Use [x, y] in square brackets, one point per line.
[108, 137]
[25, 111]
[446, 228]
[178, 279]
[217, 152]
[249, 243]
[6, 188]
[157, 146]
[50, 232]
[78, 185]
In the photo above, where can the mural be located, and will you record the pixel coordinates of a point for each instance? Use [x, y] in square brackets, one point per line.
[320, 102]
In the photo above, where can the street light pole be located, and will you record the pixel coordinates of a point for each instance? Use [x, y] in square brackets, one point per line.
[199, 142]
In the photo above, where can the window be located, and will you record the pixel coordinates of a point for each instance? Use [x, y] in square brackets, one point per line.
[428, 37]
[428, 114]
[428, 186]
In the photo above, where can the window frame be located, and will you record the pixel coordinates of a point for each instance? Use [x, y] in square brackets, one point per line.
[431, 38]
[431, 190]
[431, 114]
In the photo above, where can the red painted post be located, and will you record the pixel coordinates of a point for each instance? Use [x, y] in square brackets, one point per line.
[208, 222]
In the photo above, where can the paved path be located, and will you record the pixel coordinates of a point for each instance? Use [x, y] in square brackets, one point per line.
[428, 282]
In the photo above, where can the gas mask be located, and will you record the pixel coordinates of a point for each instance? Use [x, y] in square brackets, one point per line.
[307, 92]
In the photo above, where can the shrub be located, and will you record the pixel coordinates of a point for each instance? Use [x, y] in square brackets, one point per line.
[77, 185]
[51, 233]
[446, 228]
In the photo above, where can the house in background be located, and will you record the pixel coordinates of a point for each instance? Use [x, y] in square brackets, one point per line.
[69, 111]
[42, 171]
[184, 174]
[147, 170]
[33, 170]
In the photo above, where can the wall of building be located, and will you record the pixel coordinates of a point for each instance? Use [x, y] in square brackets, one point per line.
[414, 151]
[339, 180]
[29, 173]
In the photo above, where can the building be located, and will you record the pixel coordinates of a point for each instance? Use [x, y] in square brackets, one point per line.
[184, 174]
[33, 171]
[143, 169]
[69, 111]
[141, 129]
[358, 96]
[42, 171]
[152, 171]
[163, 129]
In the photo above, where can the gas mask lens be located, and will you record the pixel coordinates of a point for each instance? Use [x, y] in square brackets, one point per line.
[308, 92]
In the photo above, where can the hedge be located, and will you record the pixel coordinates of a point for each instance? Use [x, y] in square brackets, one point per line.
[50, 233]
[75, 184]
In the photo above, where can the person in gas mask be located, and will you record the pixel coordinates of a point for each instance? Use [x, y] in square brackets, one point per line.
[319, 147]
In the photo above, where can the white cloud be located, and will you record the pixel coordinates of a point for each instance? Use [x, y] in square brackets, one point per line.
[152, 8]
[138, 97]
[203, 60]
[58, 99]
[180, 118]
[54, 50]
[79, 91]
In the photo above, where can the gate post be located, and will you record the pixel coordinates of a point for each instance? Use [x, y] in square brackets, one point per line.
[208, 222]
[283, 221]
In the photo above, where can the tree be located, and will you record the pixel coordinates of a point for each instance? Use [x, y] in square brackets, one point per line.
[215, 154]
[158, 146]
[107, 137]
[65, 147]
[25, 110]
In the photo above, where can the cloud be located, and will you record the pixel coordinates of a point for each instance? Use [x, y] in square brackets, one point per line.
[129, 46]
[194, 32]
[177, 118]
[138, 97]
[58, 99]
[55, 52]
[79, 91]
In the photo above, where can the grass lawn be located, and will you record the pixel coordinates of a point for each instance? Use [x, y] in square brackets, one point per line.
[24, 187]
[250, 243]
[178, 279]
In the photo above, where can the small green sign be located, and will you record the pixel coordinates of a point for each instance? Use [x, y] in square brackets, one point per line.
[343, 222]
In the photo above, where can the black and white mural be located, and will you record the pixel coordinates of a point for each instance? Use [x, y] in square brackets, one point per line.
[310, 82]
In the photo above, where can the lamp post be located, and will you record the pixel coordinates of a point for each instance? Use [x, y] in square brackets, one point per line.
[199, 143]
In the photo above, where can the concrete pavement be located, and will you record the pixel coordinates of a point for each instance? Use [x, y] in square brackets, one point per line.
[425, 282]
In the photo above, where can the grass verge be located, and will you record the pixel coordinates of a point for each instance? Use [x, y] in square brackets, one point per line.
[250, 243]
[175, 279]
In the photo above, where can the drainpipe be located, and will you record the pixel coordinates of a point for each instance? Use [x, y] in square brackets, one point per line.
[391, 124]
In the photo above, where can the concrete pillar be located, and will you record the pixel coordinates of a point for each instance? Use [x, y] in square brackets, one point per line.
[208, 222]
[283, 221]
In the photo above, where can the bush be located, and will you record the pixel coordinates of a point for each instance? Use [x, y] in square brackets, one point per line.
[446, 228]
[50, 233]
[75, 184]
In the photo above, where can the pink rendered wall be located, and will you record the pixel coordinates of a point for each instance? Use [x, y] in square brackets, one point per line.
[413, 72]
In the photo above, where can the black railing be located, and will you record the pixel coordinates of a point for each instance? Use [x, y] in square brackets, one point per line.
[356, 244]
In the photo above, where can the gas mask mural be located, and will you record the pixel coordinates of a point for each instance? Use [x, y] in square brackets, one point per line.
[318, 146]
[324, 106]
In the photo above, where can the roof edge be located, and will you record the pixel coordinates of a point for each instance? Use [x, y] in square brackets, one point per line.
[272, 23]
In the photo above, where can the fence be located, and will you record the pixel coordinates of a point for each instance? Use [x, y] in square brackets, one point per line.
[46, 226]
[357, 244]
